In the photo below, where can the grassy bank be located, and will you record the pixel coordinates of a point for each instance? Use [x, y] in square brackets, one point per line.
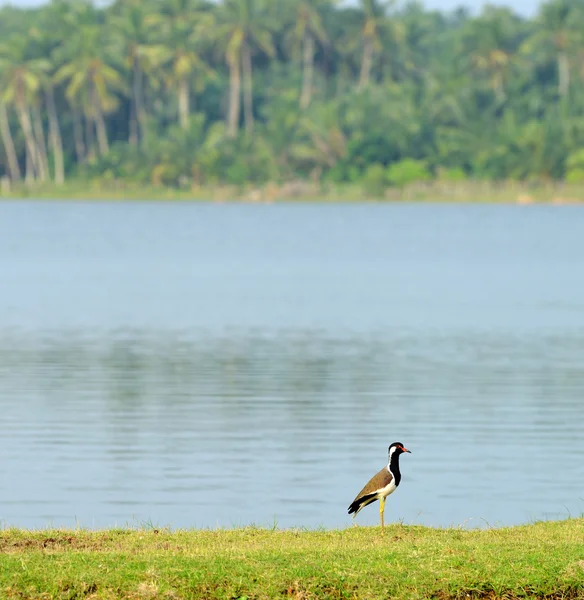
[510, 192]
[542, 560]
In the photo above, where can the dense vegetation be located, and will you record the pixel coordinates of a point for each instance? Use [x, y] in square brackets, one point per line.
[542, 560]
[189, 93]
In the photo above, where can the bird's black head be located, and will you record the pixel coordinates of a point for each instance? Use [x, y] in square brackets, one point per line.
[397, 448]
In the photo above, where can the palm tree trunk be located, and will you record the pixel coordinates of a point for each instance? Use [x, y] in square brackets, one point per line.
[55, 135]
[247, 88]
[499, 86]
[133, 134]
[139, 100]
[234, 96]
[366, 63]
[90, 138]
[563, 74]
[29, 176]
[78, 135]
[183, 102]
[13, 167]
[33, 168]
[307, 71]
[102, 141]
[41, 142]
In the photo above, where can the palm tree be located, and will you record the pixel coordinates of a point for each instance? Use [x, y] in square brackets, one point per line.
[64, 19]
[20, 85]
[423, 43]
[90, 81]
[185, 27]
[307, 30]
[133, 34]
[44, 39]
[13, 166]
[242, 29]
[558, 33]
[489, 45]
[374, 13]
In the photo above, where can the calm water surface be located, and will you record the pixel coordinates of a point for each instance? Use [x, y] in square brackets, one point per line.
[203, 365]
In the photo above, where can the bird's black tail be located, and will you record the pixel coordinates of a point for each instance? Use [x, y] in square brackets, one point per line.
[361, 502]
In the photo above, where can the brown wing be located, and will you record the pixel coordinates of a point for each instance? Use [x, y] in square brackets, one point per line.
[377, 482]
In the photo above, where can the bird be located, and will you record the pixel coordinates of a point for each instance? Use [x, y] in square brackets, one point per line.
[381, 485]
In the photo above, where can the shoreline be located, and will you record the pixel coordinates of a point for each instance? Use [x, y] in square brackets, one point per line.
[466, 192]
[539, 560]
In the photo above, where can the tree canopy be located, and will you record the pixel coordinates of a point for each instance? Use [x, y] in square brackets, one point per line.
[194, 92]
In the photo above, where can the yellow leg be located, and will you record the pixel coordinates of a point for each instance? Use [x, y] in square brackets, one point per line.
[381, 510]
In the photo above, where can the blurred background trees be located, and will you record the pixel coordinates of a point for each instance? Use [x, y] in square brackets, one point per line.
[190, 92]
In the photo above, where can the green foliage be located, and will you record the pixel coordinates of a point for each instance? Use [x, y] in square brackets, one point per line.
[575, 175]
[244, 160]
[407, 171]
[375, 180]
[575, 167]
[376, 94]
[455, 174]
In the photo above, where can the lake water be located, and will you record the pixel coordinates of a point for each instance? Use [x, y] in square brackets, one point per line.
[221, 365]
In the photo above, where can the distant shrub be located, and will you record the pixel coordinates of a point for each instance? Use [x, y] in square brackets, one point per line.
[407, 171]
[374, 180]
[343, 173]
[452, 175]
[237, 161]
[575, 175]
[575, 167]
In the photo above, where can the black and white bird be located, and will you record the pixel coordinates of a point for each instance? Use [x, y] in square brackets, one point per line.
[381, 485]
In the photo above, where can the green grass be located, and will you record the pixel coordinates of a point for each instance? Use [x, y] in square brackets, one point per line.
[510, 192]
[541, 560]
